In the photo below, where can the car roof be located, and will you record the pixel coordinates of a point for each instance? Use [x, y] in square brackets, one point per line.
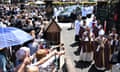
[70, 9]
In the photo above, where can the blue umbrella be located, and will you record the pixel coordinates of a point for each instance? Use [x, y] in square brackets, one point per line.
[11, 36]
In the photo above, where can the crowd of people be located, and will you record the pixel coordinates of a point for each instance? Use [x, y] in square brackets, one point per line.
[35, 55]
[94, 44]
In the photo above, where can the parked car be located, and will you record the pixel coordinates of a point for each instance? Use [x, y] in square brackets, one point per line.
[65, 15]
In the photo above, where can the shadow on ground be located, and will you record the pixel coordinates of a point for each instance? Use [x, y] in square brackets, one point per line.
[70, 29]
[64, 68]
[75, 44]
[82, 64]
[77, 52]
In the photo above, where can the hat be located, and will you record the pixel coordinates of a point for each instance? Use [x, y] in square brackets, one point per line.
[101, 32]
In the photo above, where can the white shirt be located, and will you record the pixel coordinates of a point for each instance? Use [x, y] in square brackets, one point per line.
[48, 62]
[101, 32]
[84, 11]
[90, 9]
[2, 25]
[37, 23]
[89, 22]
[55, 11]
[77, 27]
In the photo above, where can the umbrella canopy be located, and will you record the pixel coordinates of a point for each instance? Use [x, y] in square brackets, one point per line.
[39, 2]
[11, 36]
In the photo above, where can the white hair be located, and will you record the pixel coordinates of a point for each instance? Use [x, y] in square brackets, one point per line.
[20, 54]
[26, 49]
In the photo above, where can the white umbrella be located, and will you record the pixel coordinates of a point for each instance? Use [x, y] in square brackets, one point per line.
[39, 2]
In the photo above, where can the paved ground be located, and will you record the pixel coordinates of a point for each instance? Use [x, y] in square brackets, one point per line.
[67, 37]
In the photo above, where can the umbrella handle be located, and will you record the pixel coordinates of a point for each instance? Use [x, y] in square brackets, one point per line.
[10, 50]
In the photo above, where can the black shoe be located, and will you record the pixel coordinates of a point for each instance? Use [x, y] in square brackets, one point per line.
[77, 53]
[70, 28]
